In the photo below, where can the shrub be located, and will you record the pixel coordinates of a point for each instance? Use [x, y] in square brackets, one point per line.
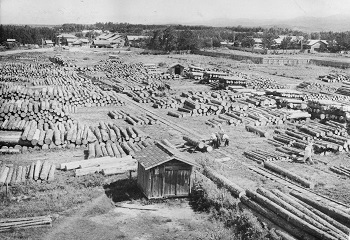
[222, 206]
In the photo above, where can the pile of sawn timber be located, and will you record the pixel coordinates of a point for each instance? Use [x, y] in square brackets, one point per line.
[9, 224]
[105, 165]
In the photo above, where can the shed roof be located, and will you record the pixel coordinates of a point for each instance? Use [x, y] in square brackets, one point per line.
[176, 64]
[11, 40]
[158, 154]
[48, 42]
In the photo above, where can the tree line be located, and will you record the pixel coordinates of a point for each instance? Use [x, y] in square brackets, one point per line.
[179, 37]
[26, 34]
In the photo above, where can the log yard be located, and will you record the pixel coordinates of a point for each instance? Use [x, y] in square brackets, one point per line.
[116, 139]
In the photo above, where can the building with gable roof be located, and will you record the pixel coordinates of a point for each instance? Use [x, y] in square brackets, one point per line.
[164, 172]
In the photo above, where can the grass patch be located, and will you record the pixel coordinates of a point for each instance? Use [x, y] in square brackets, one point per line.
[221, 206]
[59, 196]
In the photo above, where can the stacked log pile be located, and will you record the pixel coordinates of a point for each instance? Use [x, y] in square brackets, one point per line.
[44, 135]
[38, 171]
[261, 156]
[113, 140]
[328, 110]
[61, 61]
[263, 83]
[62, 95]
[8, 224]
[317, 87]
[129, 76]
[344, 90]
[335, 77]
[299, 215]
[329, 136]
[132, 118]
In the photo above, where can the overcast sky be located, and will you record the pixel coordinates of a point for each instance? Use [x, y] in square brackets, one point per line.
[161, 11]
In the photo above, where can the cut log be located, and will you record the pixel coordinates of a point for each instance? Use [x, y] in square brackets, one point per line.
[296, 221]
[37, 170]
[45, 170]
[340, 229]
[297, 212]
[261, 133]
[276, 219]
[289, 174]
[233, 188]
[337, 214]
[51, 175]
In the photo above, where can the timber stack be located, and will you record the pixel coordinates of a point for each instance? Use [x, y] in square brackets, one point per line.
[335, 77]
[113, 140]
[132, 118]
[8, 224]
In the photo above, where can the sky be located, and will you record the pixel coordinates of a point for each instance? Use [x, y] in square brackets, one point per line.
[52, 12]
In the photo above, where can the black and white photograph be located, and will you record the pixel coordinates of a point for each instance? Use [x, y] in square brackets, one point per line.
[183, 119]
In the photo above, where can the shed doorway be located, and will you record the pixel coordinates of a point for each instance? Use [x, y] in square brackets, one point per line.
[177, 70]
[176, 183]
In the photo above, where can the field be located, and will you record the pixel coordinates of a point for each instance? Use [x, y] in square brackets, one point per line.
[92, 206]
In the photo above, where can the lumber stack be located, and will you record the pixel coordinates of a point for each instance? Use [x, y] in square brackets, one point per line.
[8, 224]
[328, 136]
[106, 165]
[295, 215]
[335, 77]
[37, 171]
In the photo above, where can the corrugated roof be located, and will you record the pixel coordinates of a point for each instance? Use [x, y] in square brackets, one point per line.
[158, 154]
[102, 42]
[312, 42]
[66, 35]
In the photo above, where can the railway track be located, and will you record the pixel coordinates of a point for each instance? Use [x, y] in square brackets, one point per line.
[259, 170]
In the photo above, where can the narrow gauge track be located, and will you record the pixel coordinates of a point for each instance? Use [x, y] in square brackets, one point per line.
[259, 170]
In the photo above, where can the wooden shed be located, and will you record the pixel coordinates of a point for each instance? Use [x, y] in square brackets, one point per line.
[177, 68]
[164, 172]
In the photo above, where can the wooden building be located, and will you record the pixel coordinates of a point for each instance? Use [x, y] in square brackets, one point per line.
[48, 43]
[313, 46]
[164, 172]
[176, 69]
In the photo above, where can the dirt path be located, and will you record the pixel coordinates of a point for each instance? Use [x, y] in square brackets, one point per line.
[71, 221]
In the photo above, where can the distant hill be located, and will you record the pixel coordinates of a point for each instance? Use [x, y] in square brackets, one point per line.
[335, 23]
